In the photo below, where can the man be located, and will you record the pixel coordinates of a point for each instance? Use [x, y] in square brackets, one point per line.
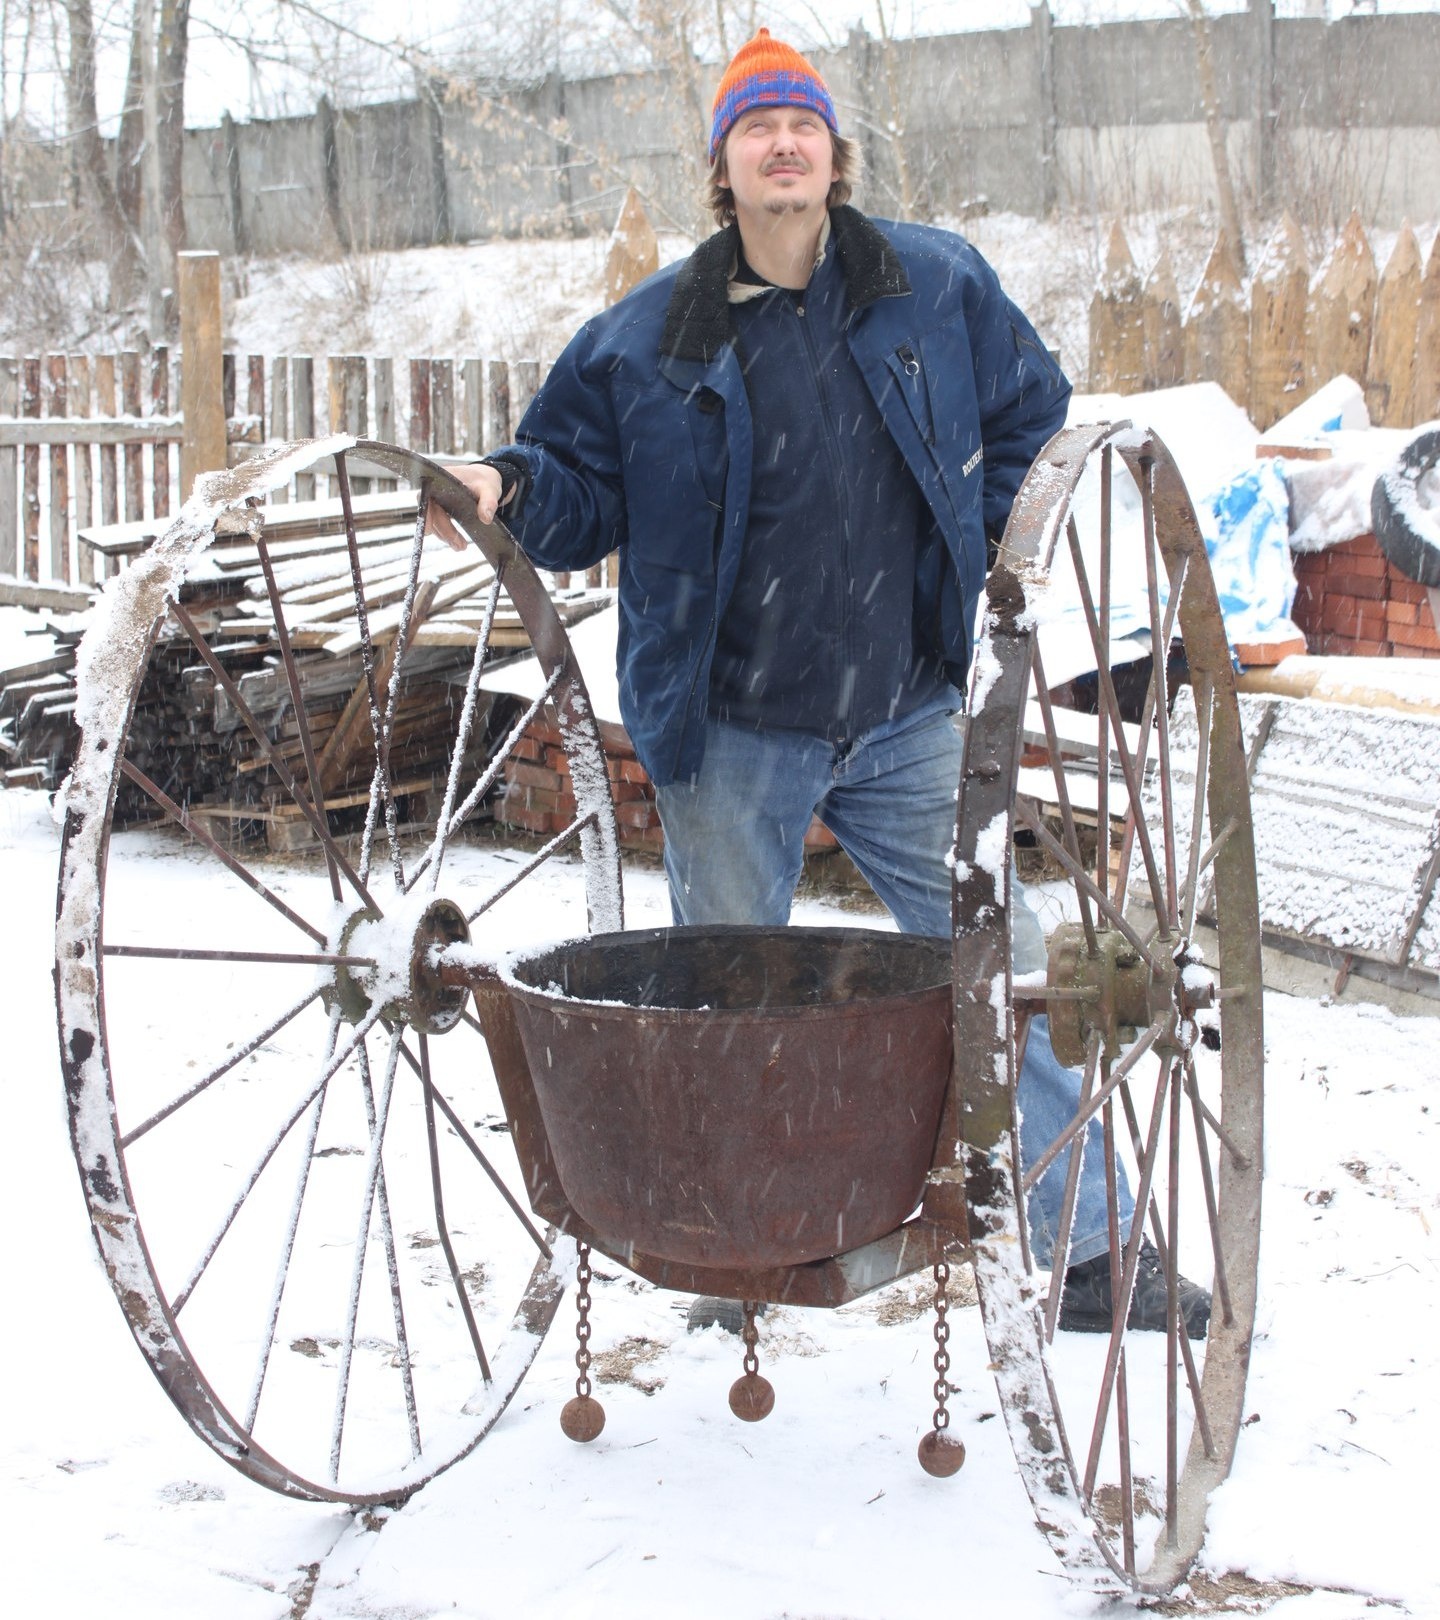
[802, 440]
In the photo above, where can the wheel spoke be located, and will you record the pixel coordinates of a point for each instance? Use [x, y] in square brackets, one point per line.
[436, 854]
[318, 823]
[1122, 748]
[442, 1226]
[238, 1056]
[1207, 860]
[1175, 1328]
[1102, 781]
[378, 1118]
[1062, 792]
[287, 1248]
[545, 853]
[1159, 684]
[1205, 700]
[1163, 1249]
[184, 953]
[367, 647]
[1022, 1041]
[1087, 1111]
[457, 1125]
[1083, 883]
[327, 1073]
[297, 698]
[1122, 1378]
[180, 815]
[381, 795]
[1207, 1179]
[1120, 1298]
[1147, 714]
[491, 773]
[1060, 1259]
[387, 1235]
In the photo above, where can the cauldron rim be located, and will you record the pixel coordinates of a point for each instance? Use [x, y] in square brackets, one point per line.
[552, 997]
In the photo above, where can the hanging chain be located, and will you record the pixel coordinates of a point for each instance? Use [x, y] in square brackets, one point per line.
[583, 1275]
[942, 1340]
[751, 1335]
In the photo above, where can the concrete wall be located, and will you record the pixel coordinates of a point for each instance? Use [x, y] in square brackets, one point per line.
[1104, 118]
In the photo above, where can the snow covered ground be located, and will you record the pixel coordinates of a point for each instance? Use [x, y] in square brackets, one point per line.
[111, 1505]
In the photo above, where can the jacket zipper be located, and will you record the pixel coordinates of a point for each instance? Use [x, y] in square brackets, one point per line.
[832, 449]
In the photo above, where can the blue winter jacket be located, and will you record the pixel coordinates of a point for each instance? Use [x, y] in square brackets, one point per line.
[640, 440]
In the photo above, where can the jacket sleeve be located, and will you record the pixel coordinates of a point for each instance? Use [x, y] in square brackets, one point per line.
[572, 514]
[1023, 395]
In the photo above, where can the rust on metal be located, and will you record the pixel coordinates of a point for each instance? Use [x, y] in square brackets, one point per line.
[739, 1097]
[582, 1417]
[752, 1395]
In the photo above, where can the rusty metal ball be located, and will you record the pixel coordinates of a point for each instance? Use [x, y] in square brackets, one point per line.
[752, 1397]
[941, 1454]
[582, 1419]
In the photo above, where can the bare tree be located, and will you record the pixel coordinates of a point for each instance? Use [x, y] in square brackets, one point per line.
[1215, 126]
[120, 245]
[172, 43]
[130, 141]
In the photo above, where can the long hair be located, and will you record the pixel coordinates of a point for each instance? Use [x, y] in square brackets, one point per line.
[849, 163]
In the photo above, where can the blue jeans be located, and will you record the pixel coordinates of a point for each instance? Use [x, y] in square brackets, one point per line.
[735, 845]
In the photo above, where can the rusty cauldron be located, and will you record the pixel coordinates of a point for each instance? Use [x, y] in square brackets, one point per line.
[738, 1097]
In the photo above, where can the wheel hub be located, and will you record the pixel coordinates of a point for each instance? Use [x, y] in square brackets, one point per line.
[398, 966]
[1115, 990]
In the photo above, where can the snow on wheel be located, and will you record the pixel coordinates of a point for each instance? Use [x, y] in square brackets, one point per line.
[1121, 1432]
[298, 1170]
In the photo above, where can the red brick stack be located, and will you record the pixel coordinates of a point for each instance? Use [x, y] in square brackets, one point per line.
[538, 795]
[1351, 600]
[540, 798]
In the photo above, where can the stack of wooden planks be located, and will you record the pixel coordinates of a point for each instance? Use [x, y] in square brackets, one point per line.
[188, 734]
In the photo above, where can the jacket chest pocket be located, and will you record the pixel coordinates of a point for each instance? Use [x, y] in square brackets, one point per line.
[913, 383]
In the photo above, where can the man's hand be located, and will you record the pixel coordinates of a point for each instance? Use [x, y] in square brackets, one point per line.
[485, 484]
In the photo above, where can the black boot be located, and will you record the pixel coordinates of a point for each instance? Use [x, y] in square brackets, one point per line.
[1086, 1306]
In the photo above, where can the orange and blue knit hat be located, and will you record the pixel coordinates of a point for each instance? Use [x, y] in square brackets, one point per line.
[765, 73]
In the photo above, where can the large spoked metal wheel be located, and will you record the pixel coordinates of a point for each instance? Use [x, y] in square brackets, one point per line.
[1153, 959]
[297, 1166]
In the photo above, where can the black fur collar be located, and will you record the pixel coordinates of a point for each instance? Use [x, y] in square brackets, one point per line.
[697, 321]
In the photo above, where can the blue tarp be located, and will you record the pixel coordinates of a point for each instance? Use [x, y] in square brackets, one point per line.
[1246, 525]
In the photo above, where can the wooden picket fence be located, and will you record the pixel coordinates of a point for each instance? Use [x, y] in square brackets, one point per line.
[69, 459]
[1272, 342]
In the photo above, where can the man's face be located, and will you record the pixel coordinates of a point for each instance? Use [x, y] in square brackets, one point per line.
[778, 160]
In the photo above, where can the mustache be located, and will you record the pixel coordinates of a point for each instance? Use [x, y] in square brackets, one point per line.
[793, 161]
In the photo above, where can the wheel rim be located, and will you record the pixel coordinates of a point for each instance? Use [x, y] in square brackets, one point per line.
[281, 1120]
[1121, 1434]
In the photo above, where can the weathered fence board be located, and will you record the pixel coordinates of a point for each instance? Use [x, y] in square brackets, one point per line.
[134, 455]
[1390, 372]
[69, 458]
[1381, 329]
[30, 406]
[1117, 322]
[109, 456]
[83, 510]
[9, 469]
[1217, 325]
[160, 453]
